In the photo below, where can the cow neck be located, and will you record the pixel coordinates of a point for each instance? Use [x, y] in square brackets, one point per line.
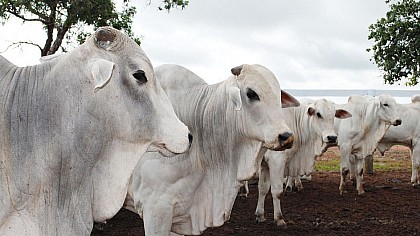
[215, 131]
[372, 128]
[211, 124]
[20, 90]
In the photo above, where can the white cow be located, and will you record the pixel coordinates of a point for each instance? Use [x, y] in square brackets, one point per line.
[72, 130]
[313, 126]
[407, 134]
[233, 124]
[359, 135]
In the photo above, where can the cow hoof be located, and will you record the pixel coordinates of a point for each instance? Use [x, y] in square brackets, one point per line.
[416, 186]
[260, 219]
[306, 178]
[361, 193]
[281, 224]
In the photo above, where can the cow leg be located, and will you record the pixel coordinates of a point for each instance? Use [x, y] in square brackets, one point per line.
[244, 190]
[415, 164]
[157, 219]
[344, 167]
[359, 176]
[353, 169]
[276, 171]
[263, 188]
[294, 183]
[298, 184]
[289, 183]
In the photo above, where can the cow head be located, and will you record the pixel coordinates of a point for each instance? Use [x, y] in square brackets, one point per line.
[123, 76]
[387, 109]
[259, 97]
[322, 113]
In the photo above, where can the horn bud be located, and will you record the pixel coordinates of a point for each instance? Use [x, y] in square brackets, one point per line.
[104, 37]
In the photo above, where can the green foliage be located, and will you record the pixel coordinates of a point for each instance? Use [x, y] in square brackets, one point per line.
[169, 4]
[74, 20]
[396, 50]
[107, 15]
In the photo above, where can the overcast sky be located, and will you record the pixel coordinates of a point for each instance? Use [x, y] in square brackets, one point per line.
[308, 44]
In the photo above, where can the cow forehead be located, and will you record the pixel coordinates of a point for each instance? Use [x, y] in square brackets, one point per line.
[135, 59]
[261, 79]
[127, 50]
[384, 98]
[324, 106]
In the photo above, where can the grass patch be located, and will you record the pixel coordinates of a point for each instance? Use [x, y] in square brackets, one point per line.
[388, 164]
[332, 164]
[398, 158]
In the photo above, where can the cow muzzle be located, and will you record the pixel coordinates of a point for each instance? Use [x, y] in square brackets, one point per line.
[286, 140]
[397, 122]
[331, 139]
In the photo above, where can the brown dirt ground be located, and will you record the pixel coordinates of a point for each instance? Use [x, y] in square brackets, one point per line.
[391, 206]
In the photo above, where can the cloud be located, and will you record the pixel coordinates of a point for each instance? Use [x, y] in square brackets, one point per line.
[307, 44]
[300, 41]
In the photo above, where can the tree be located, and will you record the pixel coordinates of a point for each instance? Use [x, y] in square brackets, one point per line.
[396, 50]
[72, 19]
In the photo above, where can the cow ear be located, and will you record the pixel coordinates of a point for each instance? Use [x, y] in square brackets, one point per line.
[237, 70]
[235, 96]
[288, 100]
[101, 71]
[311, 111]
[342, 114]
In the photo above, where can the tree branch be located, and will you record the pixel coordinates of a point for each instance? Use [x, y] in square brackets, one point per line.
[22, 42]
[24, 18]
[33, 11]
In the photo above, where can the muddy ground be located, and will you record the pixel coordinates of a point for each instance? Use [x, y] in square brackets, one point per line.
[391, 206]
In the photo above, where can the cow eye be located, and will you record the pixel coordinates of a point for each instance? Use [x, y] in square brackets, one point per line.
[140, 76]
[386, 104]
[252, 95]
[319, 115]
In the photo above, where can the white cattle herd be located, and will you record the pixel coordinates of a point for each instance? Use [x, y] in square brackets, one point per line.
[91, 131]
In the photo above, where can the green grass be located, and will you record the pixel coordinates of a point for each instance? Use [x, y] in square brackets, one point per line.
[395, 159]
[332, 164]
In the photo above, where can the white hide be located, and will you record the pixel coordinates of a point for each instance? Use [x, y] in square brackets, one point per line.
[359, 135]
[407, 134]
[67, 153]
[196, 190]
[313, 126]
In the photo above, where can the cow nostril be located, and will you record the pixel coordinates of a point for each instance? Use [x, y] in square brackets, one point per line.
[398, 122]
[332, 139]
[284, 136]
[190, 138]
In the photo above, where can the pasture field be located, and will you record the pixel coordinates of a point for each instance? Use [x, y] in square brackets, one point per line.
[390, 206]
